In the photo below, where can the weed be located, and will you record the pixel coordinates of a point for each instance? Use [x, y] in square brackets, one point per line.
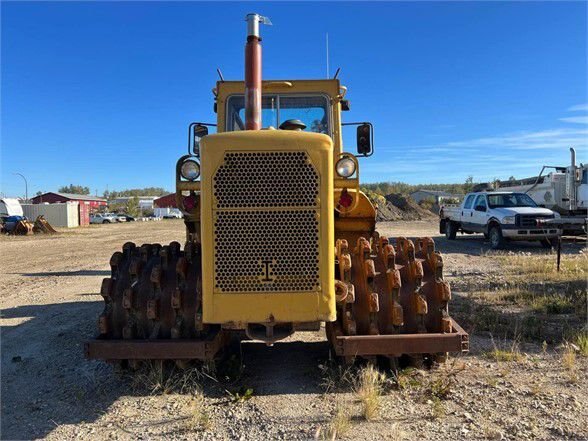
[582, 343]
[369, 389]
[437, 408]
[568, 360]
[552, 305]
[198, 418]
[506, 355]
[336, 377]
[340, 423]
[407, 379]
[243, 394]
[159, 378]
[440, 389]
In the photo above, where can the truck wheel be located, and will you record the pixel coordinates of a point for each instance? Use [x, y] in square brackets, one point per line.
[450, 230]
[105, 221]
[546, 243]
[496, 239]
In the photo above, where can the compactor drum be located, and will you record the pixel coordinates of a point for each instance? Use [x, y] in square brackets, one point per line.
[279, 238]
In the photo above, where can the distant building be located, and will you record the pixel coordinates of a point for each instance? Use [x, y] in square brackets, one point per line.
[167, 201]
[433, 195]
[93, 202]
[145, 202]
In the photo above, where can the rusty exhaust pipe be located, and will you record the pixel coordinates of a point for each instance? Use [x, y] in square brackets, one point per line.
[253, 71]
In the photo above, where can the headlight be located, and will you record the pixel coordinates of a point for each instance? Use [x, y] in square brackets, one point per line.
[509, 220]
[190, 170]
[345, 167]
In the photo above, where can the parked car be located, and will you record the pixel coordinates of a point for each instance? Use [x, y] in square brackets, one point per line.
[129, 218]
[500, 216]
[103, 218]
[173, 215]
[121, 218]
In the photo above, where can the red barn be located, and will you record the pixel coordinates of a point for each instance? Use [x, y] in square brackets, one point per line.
[93, 202]
[167, 201]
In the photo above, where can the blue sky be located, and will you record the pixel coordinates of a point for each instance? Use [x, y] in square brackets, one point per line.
[100, 94]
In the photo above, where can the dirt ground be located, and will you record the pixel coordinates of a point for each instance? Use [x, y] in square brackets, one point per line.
[50, 303]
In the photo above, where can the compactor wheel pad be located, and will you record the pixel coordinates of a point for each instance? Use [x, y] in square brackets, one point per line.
[154, 293]
[397, 289]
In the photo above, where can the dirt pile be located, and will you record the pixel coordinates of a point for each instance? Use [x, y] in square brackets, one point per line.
[395, 207]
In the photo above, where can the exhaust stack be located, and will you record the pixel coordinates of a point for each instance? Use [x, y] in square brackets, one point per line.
[253, 71]
[571, 181]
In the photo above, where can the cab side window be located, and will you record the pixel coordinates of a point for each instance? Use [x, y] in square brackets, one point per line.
[481, 203]
[468, 201]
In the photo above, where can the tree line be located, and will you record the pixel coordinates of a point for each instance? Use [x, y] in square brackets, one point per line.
[81, 189]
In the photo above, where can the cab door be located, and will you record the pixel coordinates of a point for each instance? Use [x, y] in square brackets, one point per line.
[467, 213]
[479, 214]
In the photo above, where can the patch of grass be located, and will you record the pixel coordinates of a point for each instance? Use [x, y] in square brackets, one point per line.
[161, 378]
[552, 305]
[581, 341]
[568, 360]
[335, 377]
[241, 395]
[198, 418]
[369, 388]
[340, 423]
[510, 354]
[437, 408]
[440, 388]
[407, 379]
[504, 355]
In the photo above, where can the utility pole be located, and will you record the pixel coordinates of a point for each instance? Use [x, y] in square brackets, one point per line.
[26, 186]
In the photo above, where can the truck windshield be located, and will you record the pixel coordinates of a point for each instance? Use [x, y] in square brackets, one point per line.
[312, 110]
[510, 200]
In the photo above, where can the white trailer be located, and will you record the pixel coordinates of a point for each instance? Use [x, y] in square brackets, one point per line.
[564, 190]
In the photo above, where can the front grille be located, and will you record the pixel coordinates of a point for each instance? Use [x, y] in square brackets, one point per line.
[529, 220]
[266, 224]
[266, 179]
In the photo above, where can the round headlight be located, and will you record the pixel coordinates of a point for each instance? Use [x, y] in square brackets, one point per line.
[190, 170]
[345, 167]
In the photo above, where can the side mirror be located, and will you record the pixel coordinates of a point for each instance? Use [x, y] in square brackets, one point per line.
[200, 132]
[364, 139]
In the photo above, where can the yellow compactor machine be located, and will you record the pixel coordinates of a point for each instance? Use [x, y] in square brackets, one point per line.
[279, 238]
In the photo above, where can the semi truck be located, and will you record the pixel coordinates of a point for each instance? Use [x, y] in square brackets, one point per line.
[565, 189]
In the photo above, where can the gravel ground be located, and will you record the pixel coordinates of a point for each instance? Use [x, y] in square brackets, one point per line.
[49, 301]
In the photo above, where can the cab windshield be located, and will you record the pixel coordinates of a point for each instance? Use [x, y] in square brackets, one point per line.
[312, 110]
[510, 200]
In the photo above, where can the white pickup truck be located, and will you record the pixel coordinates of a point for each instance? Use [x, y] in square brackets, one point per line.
[500, 216]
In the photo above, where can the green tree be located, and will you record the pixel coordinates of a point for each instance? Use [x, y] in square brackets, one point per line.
[74, 189]
[133, 206]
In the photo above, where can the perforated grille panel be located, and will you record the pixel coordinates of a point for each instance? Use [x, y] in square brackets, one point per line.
[266, 225]
[266, 179]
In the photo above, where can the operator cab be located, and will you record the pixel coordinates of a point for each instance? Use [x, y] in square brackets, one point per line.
[305, 112]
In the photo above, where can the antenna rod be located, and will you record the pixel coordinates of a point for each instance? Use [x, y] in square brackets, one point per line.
[253, 71]
[327, 41]
[220, 74]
